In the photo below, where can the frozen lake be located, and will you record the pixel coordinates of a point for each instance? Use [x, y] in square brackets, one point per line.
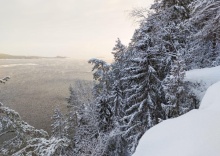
[37, 86]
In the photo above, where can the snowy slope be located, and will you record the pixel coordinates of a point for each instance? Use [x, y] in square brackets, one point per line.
[206, 77]
[196, 133]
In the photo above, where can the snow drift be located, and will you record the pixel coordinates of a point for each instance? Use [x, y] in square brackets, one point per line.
[205, 77]
[196, 133]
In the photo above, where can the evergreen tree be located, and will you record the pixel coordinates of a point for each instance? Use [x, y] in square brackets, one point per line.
[102, 76]
[143, 90]
[151, 56]
[117, 67]
[204, 24]
[102, 92]
[174, 89]
[22, 132]
[58, 125]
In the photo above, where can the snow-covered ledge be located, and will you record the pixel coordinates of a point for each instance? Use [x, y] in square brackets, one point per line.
[205, 77]
[196, 133]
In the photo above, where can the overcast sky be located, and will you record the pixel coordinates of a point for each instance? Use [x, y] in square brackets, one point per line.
[74, 28]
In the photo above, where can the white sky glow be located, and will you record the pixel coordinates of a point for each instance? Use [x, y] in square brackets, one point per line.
[74, 28]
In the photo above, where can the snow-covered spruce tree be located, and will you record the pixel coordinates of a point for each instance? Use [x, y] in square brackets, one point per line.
[78, 102]
[42, 146]
[102, 92]
[204, 24]
[105, 115]
[15, 131]
[174, 89]
[101, 76]
[143, 89]
[118, 52]
[117, 67]
[73, 99]
[169, 30]
[91, 139]
[57, 144]
[152, 54]
[117, 99]
[74, 111]
[109, 104]
[172, 35]
[58, 124]
[86, 132]
[116, 144]
[103, 103]
[80, 93]
[82, 126]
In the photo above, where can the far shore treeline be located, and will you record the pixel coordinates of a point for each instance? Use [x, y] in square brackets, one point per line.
[8, 56]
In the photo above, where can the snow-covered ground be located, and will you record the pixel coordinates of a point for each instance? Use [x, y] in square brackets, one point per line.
[196, 133]
[206, 77]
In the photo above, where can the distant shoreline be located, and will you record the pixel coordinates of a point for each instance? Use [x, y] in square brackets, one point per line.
[7, 56]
